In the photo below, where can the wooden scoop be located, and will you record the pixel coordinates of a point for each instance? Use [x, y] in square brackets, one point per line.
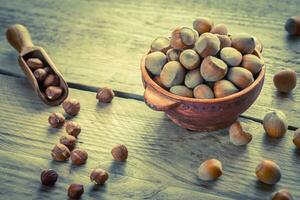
[19, 37]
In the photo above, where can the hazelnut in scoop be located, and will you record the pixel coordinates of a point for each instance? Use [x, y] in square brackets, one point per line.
[181, 90]
[160, 44]
[213, 69]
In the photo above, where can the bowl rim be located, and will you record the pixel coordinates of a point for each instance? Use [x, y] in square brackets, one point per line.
[149, 80]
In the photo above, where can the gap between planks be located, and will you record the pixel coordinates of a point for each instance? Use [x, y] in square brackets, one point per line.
[121, 94]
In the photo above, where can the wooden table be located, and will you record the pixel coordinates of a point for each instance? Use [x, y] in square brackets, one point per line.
[100, 43]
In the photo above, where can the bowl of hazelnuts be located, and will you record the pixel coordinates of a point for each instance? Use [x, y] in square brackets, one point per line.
[203, 78]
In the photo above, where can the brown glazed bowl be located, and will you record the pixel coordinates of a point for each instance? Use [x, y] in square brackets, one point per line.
[201, 114]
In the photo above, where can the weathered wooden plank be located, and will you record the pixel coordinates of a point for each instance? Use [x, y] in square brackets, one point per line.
[163, 156]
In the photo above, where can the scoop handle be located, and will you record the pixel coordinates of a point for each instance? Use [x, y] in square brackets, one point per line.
[19, 37]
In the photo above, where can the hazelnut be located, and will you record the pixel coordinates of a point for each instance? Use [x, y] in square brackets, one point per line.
[202, 25]
[225, 41]
[105, 95]
[119, 152]
[193, 78]
[189, 59]
[182, 38]
[268, 172]
[160, 44]
[34, 63]
[51, 80]
[240, 76]
[202, 91]
[292, 25]
[56, 120]
[99, 176]
[252, 63]
[231, 56]
[219, 29]
[71, 106]
[237, 136]
[224, 88]
[243, 42]
[79, 156]
[296, 139]
[213, 69]
[40, 74]
[208, 44]
[210, 170]
[173, 54]
[53, 92]
[172, 74]
[181, 90]
[75, 191]
[275, 124]
[69, 141]
[73, 128]
[155, 61]
[282, 194]
[285, 81]
[258, 45]
[60, 152]
[49, 177]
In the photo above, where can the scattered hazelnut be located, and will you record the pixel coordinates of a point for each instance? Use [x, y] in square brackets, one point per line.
[275, 124]
[99, 176]
[243, 42]
[202, 91]
[53, 92]
[69, 141]
[49, 177]
[34, 63]
[60, 152]
[105, 95]
[56, 120]
[182, 38]
[202, 25]
[208, 44]
[73, 128]
[240, 76]
[79, 156]
[296, 139]
[281, 195]
[71, 106]
[119, 152]
[172, 74]
[225, 41]
[213, 69]
[40, 74]
[155, 61]
[210, 170]
[237, 136]
[268, 172]
[189, 59]
[285, 80]
[75, 191]
[160, 44]
[51, 80]
[252, 63]
[231, 56]
[224, 88]
[219, 29]
[181, 90]
[173, 54]
[193, 78]
[292, 25]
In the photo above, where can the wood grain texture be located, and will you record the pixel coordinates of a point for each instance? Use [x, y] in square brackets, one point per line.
[100, 43]
[163, 158]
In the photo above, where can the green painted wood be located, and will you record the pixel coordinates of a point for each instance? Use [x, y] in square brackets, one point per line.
[163, 158]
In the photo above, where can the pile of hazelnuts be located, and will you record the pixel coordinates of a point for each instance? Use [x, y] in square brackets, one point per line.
[204, 62]
[48, 81]
[65, 149]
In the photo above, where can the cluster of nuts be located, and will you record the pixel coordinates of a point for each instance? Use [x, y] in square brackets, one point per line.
[205, 62]
[48, 81]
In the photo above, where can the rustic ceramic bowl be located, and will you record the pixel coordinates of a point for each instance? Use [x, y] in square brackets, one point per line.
[200, 114]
